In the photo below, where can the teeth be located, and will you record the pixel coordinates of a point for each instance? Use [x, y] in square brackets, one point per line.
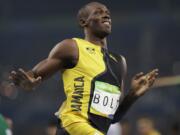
[107, 23]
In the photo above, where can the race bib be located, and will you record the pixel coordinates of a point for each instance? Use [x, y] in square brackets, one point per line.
[105, 99]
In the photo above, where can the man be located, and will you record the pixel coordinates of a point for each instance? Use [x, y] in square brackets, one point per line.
[93, 77]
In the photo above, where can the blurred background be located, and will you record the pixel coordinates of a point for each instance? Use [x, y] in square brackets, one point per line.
[146, 32]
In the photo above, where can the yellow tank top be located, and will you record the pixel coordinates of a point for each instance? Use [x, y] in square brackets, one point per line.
[90, 88]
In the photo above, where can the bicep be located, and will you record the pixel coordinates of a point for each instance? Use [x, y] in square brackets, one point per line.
[66, 52]
[62, 56]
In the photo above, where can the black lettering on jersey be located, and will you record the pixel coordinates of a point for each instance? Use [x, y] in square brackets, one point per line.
[79, 92]
[96, 98]
[76, 107]
[117, 103]
[79, 79]
[111, 103]
[77, 95]
[105, 101]
[76, 99]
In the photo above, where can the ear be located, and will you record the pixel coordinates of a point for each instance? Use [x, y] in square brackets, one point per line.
[83, 22]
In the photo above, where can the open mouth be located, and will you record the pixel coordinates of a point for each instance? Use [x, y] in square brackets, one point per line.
[107, 22]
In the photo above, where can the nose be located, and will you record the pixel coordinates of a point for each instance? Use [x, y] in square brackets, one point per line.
[106, 16]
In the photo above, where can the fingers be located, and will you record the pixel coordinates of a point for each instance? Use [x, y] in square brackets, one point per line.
[14, 77]
[137, 76]
[23, 74]
[153, 73]
[143, 80]
[22, 79]
[151, 82]
[38, 80]
[148, 76]
[147, 79]
[151, 76]
[17, 77]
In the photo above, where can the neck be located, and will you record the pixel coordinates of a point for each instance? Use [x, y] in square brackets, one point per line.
[96, 40]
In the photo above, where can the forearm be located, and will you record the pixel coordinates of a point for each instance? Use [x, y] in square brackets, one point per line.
[45, 68]
[124, 106]
[64, 55]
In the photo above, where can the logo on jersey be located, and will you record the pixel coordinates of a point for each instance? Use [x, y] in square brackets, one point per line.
[90, 50]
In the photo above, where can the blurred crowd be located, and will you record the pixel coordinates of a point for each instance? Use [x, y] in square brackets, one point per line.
[142, 126]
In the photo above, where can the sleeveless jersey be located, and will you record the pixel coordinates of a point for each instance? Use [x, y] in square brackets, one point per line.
[92, 87]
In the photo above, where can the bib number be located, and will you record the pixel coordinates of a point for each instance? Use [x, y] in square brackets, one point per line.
[105, 99]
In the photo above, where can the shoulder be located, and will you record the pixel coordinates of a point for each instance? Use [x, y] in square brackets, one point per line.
[67, 44]
[67, 47]
[67, 52]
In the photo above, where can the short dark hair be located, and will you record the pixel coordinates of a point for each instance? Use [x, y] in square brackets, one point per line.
[83, 12]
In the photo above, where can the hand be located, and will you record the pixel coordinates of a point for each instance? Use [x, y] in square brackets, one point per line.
[25, 80]
[141, 83]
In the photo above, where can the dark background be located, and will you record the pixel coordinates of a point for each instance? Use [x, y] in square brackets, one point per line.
[146, 32]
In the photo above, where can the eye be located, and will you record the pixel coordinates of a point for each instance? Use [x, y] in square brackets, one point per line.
[108, 12]
[97, 12]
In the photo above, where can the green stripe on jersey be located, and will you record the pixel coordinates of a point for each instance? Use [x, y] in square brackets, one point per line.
[107, 87]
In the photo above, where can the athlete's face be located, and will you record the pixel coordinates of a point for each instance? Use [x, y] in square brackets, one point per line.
[99, 20]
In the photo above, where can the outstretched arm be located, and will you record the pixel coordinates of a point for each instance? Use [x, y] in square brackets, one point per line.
[140, 85]
[64, 55]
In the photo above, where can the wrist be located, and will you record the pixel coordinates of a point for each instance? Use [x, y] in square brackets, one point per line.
[132, 94]
[31, 73]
